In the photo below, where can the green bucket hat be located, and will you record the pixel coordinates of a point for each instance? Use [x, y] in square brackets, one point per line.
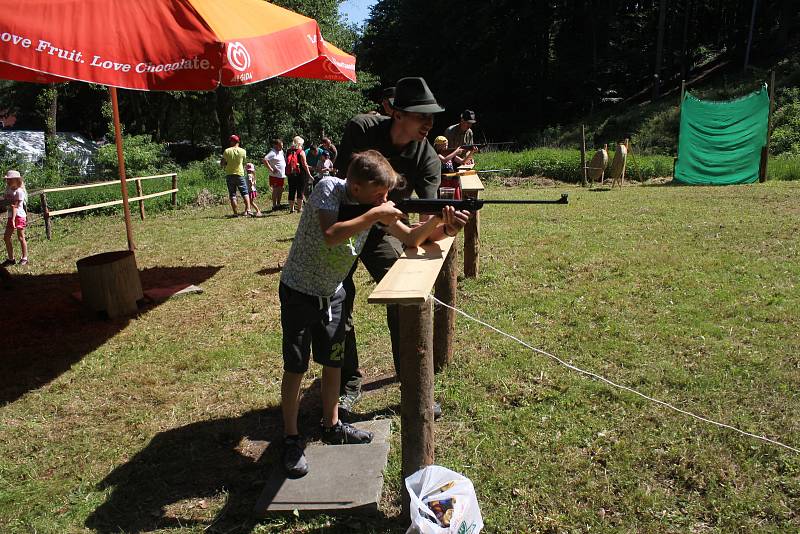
[413, 94]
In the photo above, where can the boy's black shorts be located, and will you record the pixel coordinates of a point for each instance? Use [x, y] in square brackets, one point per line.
[306, 321]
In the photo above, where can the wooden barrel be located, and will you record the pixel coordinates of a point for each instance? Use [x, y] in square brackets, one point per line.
[110, 283]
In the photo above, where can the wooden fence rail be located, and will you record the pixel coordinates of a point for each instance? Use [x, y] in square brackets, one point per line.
[47, 214]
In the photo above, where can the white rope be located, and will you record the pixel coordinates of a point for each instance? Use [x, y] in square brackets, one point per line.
[620, 386]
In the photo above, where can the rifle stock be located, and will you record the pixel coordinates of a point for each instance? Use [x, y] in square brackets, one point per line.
[435, 205]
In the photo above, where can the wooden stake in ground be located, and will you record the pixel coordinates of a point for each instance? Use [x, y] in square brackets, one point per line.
[416, 383]
[762, 169]
[584, 180]
[444, 319]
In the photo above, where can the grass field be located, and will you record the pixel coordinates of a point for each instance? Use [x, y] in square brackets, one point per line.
[163, 422]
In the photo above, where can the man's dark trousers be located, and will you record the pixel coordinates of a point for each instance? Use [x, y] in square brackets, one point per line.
[378, 255]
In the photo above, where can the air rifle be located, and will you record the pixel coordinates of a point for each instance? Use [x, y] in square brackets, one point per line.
[434, 206]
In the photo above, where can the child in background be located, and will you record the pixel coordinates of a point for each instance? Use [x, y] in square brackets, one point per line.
[312, 295]
[324, 166]
[251, 180]
[17, 197]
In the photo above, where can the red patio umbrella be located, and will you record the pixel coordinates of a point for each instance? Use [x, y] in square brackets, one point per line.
[162, 45]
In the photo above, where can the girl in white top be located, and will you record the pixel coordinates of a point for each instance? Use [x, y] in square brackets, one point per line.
[276, 163]
[16, 197]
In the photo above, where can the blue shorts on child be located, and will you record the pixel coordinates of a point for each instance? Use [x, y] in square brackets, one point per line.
[310, 321]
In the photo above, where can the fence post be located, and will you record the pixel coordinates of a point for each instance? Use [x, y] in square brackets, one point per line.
[416, 387]
[584, 180]
[175, 186]
[472, 241]
[48, 230]
[444, 319]
[138, 194]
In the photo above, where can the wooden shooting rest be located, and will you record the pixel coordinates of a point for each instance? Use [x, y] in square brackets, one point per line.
[426, 341]
[471, 186]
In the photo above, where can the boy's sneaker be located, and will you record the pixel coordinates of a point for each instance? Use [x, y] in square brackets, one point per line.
[7, 263]
[344, 433]
[23, 261]
[294, 459]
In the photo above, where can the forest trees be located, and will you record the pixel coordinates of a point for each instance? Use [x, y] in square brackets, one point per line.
[525, 65]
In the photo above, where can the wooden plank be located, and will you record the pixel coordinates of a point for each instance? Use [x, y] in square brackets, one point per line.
[466, 167]
[471, 182]
[411, 278]
[110, 203]
[96, 184]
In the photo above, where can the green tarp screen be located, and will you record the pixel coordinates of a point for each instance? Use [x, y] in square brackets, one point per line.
[720, 142]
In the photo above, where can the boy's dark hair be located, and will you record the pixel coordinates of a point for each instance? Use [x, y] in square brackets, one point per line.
[277, 141]
[371, 167]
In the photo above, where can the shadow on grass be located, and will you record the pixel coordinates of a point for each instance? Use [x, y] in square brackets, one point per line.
[52, 331]
[162, 485]
[267, 271]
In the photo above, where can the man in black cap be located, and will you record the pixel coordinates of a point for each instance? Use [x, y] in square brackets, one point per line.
[461, 134]
[402, 139]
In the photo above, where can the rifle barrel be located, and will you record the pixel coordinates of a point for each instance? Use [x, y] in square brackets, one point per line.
[563, 200]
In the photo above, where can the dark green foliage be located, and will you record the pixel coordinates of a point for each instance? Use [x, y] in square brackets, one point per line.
[142, 157]
[526, 66]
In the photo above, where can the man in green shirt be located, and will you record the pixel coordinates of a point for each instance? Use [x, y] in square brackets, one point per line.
[233, 162]
[461, 134]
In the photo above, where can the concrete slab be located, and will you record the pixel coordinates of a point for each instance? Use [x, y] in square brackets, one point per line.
[340, 477]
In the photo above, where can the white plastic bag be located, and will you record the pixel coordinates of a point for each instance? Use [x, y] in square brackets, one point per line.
[435, 484]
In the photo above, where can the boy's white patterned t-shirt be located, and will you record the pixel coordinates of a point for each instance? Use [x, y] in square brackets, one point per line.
[313, 267]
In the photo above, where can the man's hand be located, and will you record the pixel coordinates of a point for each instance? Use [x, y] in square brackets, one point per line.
[386, 213]
[454, 220]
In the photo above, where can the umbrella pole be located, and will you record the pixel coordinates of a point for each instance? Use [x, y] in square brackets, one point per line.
[121, 159]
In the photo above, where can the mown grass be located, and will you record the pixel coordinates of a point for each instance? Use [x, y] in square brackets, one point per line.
[564, 164]
[687, 293]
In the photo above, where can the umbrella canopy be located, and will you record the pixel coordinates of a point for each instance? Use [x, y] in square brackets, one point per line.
[179, 45]
[163, 44]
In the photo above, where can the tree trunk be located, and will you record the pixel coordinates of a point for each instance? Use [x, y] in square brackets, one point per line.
[50, 110]
[685, 43]
[662, 15]
[227, 124]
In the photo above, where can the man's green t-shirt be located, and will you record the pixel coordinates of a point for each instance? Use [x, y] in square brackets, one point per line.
[234, 160]
[416, 162]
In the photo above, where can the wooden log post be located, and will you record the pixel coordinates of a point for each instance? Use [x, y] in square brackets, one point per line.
[444, 319]
[472, 241]
[48, 228]
[584, 178]
[110, 283]
[175, 188]
[764, 163]
[409, 283]
[139, 194]
[416, 386]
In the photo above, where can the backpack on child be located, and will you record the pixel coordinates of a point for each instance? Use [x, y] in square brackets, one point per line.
[293, 161]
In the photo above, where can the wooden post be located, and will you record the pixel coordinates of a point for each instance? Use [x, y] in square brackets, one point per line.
[141, 202]
[444, 319]
[603, 174]
[416, 390]
[121, 161]
[762, 170]
[472, 241]
[584, 179]
[683, 93]
[175, 186]
[48, 230]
